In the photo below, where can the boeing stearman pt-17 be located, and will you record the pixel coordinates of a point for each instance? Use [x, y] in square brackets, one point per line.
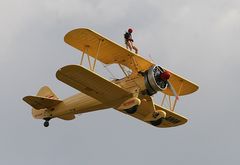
[131, 95]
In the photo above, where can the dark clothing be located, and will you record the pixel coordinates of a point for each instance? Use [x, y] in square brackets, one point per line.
[129, 41]
[128, 37]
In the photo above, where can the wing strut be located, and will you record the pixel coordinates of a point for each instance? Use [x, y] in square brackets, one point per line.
[135, 64]
[98, 49]
[175, 101]
[91, 65]
[171, 103]
[85, 51]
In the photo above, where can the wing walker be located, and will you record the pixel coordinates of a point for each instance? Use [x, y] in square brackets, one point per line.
[131, 95]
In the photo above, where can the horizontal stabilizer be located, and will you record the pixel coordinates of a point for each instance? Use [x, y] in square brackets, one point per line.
[38, 102]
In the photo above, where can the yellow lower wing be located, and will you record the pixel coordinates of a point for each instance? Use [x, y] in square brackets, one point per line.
[92, 84]
[146, 108]
[172, 119]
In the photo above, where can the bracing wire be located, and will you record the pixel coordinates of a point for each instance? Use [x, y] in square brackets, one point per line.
[108, 70]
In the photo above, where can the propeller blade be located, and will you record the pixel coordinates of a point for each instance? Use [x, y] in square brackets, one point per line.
[169, 84]
[173, 90]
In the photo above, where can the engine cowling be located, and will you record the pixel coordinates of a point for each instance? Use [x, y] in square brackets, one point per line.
[153, 80]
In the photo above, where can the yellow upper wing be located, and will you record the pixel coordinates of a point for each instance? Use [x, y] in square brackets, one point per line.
[109, 52]
[181, 85]
[92, 84]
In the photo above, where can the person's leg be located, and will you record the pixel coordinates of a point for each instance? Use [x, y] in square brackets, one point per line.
[134, 47]
[128, 45]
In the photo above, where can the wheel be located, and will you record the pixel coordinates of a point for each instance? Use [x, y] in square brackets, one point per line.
[157, 122]
[132, 110]
[46, 124]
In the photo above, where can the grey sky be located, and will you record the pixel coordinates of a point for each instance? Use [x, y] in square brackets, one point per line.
[196, 39]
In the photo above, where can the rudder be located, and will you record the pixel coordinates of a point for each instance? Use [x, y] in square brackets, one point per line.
[45, 91]
[45, 98]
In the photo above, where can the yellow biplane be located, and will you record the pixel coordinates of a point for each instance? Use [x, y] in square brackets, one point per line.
[131, 95]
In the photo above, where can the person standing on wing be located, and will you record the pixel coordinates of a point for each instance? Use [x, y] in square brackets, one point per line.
[129, 41]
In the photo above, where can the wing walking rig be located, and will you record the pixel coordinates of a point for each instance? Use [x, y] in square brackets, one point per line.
[131, 95]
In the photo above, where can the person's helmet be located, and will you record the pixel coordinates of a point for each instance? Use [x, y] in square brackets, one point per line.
[130, 30]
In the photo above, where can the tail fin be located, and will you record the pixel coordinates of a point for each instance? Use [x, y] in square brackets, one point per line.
[47, 93]
[45, 99]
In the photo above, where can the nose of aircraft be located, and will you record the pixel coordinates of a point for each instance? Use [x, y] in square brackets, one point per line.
[165, 75]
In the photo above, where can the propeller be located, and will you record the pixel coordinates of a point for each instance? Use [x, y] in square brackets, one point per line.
[169, 84]
[173, 90]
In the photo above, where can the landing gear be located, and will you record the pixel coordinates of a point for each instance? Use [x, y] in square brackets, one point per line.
[46, 123]
[132, 110]
[159, 116]
[157, 122]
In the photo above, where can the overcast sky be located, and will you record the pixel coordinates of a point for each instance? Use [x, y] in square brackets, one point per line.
[196, 39]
